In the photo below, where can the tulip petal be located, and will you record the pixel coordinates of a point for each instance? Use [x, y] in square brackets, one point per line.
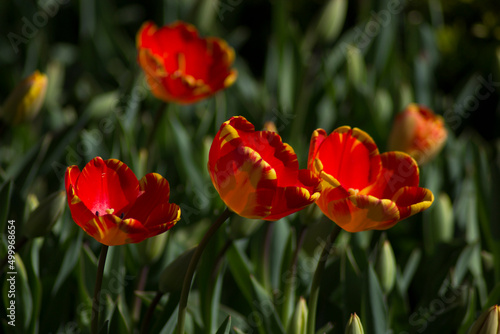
[289, 200]
[362, 213]
[112, 231]
[317, 139]
[152, 207]
[245, 181]
[412, 200]
[109, 184]
[398, 170]
[350, 156]
[79, 212]
[70, 177]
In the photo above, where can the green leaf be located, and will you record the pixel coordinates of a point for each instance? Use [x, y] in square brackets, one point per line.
[265, 307]
[239, 265]
[120, 319]
[186, 162]
[5, 195]
[374, 309]
[462, 265]
[225, 326]
[170, 282]
[404, 280]
[70, 259]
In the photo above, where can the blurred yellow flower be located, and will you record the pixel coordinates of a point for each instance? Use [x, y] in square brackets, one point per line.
[26, 100]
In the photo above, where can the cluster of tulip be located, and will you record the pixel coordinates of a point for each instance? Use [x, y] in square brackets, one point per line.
[256, 174]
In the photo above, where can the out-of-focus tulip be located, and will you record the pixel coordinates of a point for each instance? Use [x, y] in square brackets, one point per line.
[109, 203]
[270, 126]
[182, 67]
[418, 132]
[152, 248]
[362, 189]
[256, 174]
[443, 223]
[354, 325]
[26, 100]
[488, 322]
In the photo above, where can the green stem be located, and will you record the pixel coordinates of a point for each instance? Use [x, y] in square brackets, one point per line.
[266, 250]
[149, 313]
[192, 267]
[291, 278]
[97, 290]
[313, 296]
[136, 313]
[158, 117]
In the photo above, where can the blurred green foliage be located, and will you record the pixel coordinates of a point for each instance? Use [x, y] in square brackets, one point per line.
[303, 65]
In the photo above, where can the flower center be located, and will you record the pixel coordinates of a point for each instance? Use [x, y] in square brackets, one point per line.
[352, 191]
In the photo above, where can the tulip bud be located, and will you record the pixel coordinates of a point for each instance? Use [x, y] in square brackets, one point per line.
[418, 132]
[152, 248]
[354, 325]
[172, 277]
[443, 223]
[386, 267]
[298, 323]
[41, 220]
[488, 322]
[332, 20]
[31, 202]
[26, 100]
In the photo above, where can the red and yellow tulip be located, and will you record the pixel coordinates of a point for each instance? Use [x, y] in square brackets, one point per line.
[256, 174]
[182, 67]
[362, 189]
[418, 132]
[108, 202]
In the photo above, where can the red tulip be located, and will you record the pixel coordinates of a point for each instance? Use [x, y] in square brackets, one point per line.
[362, 189]
[108, 202]
[418, 132]
[182, 67]
[256, 174]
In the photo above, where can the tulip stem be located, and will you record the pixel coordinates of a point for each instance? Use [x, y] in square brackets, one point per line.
[186, 286]
[149, 313]
[136, 313]
[97, 290]
[291, 278]
[313, 296]
[158, 117]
